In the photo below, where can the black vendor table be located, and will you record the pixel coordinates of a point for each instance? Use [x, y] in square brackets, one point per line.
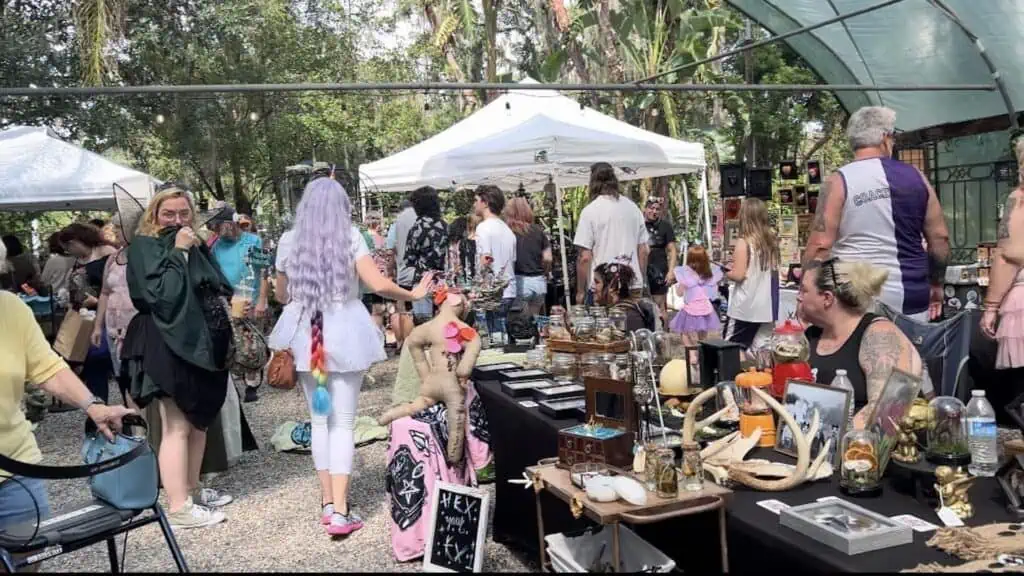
[522, 436]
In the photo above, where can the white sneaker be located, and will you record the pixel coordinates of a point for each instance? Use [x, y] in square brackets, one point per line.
[211, 498]
[194, 516]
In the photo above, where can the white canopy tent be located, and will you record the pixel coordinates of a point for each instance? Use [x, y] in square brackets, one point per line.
[531, 138]
[39, 171]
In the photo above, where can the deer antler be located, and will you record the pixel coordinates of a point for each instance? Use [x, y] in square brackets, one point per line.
[803, 451]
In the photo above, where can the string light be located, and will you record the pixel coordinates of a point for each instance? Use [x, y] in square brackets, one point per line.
[160, 119]
[254, 116]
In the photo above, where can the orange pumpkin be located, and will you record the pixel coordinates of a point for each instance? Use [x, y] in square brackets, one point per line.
[752, 378]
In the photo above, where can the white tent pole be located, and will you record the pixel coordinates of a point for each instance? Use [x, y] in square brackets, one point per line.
[707, 205]
[561, 242]
[686, 221]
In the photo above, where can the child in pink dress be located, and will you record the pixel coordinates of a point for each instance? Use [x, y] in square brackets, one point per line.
[697, 283]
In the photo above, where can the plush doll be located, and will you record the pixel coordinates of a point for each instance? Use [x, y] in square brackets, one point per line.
[453, 347]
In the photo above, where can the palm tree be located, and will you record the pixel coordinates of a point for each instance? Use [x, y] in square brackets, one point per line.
[97, 24]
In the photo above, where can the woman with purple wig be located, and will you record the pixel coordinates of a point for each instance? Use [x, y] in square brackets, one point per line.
[330, 333]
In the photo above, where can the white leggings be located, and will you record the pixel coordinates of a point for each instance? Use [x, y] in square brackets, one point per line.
[333, 437]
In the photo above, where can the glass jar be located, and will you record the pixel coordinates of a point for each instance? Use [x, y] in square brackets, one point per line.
[597, 312]
[621, 369]
[728, 397]
[591, 366]
[578, 310]
[542, 326]
[563, 367]
[691, 477]
[609, 361]
[545, 355]
[535, 359]
[859, 471]
[557, 329]
[947, 434]
[583, 329]
[789, 351]
[618, 319]
[668, 476]
[651, 466]
[603, 331]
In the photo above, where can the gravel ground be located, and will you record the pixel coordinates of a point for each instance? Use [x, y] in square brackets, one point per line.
[273, 523]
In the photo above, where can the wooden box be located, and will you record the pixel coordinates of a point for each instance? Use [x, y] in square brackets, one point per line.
[606, 445]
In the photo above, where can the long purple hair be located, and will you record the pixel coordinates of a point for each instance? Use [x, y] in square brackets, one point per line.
[323, 242]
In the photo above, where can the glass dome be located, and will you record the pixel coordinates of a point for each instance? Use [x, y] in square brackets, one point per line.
[860, 471]
[947, 432]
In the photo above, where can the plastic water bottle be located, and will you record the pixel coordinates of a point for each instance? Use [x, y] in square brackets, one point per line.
[843, 383]
[981, 435]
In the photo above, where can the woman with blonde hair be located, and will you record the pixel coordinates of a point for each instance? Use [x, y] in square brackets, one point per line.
[754, 300]
[533, 254]
[177, 347]
[835, 298]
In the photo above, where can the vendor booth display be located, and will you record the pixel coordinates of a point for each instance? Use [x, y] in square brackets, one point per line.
[947, 433]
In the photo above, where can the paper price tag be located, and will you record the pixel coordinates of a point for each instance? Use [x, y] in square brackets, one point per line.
[949, 518]
[773, 506]
[914, 522]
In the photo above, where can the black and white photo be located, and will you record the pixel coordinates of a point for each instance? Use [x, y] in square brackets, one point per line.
[800, 400]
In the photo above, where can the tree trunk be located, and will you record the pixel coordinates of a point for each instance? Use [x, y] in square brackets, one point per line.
[609, 46]
[491, 37]
[242, 204]
[449, 54]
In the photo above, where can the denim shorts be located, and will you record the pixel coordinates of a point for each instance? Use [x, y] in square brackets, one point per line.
[19, 498]
[531, 287]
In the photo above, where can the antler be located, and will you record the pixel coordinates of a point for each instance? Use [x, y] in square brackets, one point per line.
[803, 451]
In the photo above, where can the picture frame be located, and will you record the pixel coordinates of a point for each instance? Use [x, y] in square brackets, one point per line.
[517, 388]
[786, 197]
[893, 404]
[433, 557]
[800, 199]
[788, 170]
[1011, 481]
[813, 172]
[787, 226]
[812, 200]
[846, 527]
[800, 398]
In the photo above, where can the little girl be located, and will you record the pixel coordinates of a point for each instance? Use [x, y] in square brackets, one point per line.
[697, 283]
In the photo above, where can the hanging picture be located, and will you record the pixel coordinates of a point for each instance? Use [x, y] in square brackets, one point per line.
[813, 172]
[788, 170]
[786, 197]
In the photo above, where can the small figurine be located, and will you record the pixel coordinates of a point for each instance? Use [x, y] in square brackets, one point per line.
[906, 448]
[952, 488]
[591, 425]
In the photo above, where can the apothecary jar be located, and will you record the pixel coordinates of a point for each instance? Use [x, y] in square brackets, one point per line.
[859, 469]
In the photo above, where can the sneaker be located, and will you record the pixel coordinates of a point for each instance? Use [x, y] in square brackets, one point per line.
[211, 498]
[342, 525]
[194, 516]
[250, 394]
[328, 512]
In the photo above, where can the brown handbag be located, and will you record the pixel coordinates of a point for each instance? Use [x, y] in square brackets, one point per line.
[281, 370]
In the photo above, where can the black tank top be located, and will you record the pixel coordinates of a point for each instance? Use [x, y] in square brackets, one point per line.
[846, 358]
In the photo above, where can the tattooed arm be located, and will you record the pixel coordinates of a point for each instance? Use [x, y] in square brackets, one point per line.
[882, 349]
[1009, 232]
[825, 226]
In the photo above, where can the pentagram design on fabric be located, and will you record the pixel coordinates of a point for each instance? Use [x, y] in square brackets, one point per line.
[478, 421]
[404, 482]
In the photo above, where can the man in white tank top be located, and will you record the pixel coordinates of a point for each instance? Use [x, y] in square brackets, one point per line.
[878, 209]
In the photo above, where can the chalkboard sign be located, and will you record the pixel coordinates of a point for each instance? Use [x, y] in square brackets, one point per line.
[458, 527]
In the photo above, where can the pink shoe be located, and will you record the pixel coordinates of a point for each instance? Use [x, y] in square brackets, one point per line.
[341, 525]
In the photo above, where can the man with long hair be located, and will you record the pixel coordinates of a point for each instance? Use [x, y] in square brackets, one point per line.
[611, 228]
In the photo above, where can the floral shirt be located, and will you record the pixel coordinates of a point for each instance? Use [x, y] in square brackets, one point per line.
[427, 246]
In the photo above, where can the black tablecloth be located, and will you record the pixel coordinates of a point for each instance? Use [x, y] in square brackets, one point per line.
[522, 436]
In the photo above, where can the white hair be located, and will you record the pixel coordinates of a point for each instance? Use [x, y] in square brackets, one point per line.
[869, 126]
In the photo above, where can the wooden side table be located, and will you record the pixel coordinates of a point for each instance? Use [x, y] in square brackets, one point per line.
[547, 476]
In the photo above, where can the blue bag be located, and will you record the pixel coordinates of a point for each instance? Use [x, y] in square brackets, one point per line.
[134, 485]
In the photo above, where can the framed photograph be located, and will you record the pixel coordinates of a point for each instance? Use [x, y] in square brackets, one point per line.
[788, 170]
[786, 197]
[787, 225]
[813, 172]
[845, 526]
[895, 402]
[732, 208]
[1011, 481]
[800, 399]
[525, 387]
[800, 198]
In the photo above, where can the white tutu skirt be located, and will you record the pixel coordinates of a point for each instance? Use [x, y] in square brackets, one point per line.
[352, 341]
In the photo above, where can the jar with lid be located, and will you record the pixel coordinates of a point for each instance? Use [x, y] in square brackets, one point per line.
[578, 310]
[563, 367]
[591, 366]
[859, 471]
[609, 361]
[583, 329]
[620, 371]
[535, 359]
[618, 319]
[545, 355]
[603, 331]
[557, 329]
[598, 312]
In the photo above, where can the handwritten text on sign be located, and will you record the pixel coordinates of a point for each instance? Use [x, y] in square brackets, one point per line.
[458, 528]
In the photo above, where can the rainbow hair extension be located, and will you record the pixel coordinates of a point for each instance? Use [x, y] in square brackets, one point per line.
[318, 366]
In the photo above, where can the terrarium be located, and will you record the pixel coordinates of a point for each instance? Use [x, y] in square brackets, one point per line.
[947, 433]
[860, 473]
